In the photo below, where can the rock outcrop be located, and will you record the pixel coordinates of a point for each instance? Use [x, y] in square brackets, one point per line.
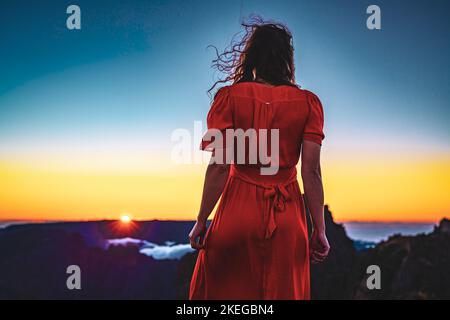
[412, 267]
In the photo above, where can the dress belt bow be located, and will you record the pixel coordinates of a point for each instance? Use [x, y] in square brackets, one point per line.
[280, 195]
[274, 193]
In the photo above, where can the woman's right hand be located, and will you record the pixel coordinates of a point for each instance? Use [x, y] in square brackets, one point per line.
[197, 234]
[318, 247]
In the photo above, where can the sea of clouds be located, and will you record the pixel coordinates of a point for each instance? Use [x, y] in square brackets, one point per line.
[169, 250]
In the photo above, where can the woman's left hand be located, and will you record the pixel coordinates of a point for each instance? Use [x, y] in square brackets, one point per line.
[197, 234]
[318, 246]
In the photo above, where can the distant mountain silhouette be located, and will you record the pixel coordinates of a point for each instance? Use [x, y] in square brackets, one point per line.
[34, 259]
[412, 267]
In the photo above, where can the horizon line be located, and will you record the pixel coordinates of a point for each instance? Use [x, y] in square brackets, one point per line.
[191, 220]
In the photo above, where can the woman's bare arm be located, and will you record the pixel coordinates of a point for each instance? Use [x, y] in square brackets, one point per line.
[215, 179]
[312, 184]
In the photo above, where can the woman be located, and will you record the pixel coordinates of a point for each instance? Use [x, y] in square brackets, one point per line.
[257, 244]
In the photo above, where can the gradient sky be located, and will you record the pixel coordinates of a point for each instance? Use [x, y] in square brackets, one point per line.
[86, 116]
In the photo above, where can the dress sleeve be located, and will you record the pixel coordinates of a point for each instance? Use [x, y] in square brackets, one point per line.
[220, 118]
[314, 124]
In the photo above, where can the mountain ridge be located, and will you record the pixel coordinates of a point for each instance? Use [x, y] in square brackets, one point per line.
[35, 258]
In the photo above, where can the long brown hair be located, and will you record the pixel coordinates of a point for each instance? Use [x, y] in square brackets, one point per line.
[265, 47]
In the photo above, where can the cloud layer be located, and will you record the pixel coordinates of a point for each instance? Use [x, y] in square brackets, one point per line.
[170, 250]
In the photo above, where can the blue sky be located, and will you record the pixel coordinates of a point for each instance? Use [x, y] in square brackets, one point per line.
[86, 116]
[139, 69]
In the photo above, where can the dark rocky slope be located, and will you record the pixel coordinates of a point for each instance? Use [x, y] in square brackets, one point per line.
[414, 267]
[34, 259]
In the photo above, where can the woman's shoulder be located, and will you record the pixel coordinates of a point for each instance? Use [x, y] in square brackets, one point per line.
[252, 88]
[222, 92]
[312, 98]
[310, 94]
[259, 88]
[262, 85]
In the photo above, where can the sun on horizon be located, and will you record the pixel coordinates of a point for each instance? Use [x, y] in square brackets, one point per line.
[125, 218]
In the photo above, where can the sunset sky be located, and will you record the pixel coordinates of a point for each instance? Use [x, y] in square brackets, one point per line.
[86, 116]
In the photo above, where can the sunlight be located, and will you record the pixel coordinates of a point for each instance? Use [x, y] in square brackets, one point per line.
[125, 218]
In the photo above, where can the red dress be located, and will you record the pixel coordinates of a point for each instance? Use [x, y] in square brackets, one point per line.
[257, 244]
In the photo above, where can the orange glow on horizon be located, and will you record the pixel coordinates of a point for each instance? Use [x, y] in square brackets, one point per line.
[369, 190]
